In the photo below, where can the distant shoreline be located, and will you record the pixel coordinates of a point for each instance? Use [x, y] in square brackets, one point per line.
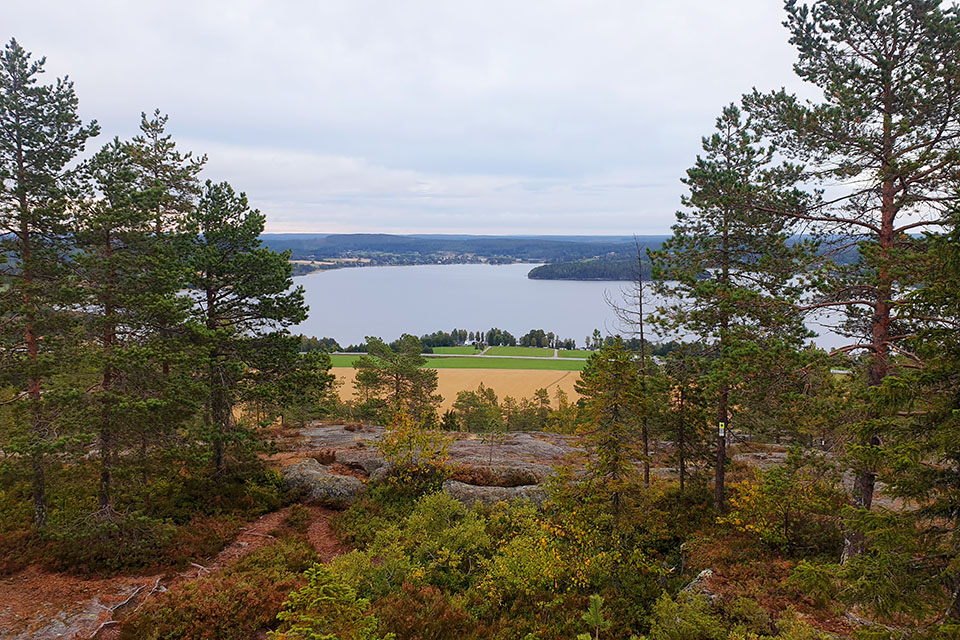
[306, 268]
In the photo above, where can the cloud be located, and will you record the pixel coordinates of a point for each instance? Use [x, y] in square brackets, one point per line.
[299, 191]
[425, 114]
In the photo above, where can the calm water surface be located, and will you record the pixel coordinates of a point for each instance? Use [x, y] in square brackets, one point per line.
[350, 304]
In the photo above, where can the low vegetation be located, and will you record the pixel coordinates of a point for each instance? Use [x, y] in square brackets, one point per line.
[727, 487]
[525, 352]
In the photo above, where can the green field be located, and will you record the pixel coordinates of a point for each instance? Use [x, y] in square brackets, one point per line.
[563, 353]
[482, 363]
[460, 351]
[505, 363]
[526, 352]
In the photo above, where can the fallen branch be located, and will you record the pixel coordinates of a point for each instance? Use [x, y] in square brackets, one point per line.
[133, 595]
[254, 533]
[156, 586]
[105, 625]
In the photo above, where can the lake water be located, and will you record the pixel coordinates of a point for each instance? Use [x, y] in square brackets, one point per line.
[350, 304]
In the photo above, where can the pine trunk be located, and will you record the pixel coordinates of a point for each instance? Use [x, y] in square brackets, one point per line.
[719, 490]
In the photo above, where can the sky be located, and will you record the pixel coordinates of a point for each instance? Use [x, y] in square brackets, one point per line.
[424, 116]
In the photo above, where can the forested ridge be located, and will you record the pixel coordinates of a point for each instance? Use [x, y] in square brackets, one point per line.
[715, 477]
[395, 249]
[627, 270]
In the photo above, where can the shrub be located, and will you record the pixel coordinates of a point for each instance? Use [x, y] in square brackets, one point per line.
[378, 570]
[327, 608]
[377, 508]
[441, 543]
[299, 518]
[229, 605]
[689, 617]
[794, 507]
[791, 627]
[108, 544]
[415, 452]
[424, 613]
[746, 616]
[240, 492]
[203, 536]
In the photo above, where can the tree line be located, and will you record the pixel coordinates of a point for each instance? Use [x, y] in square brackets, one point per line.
[493, 337]
[139, 309]
[782, 193]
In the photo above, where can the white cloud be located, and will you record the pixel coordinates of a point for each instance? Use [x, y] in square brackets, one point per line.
[424, 115]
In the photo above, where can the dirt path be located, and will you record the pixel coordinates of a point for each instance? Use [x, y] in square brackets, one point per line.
[40, 605]
[321, 536]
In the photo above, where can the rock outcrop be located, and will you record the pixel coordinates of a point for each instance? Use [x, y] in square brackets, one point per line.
[468, 494]
[318, 486]
[699, 586]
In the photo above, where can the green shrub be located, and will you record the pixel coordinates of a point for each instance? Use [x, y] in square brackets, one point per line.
[327, 608]
[688, 617]
[120, 543]
[240, 492]
[378, 507]
[232, 604]
[375, 509]
[791, 627]
[379, 569]
[299, 518]
[793, 507]
[746, 616]
[446, 541]
[127, 543]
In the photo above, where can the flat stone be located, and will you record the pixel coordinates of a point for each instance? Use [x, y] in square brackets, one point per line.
[468, 494]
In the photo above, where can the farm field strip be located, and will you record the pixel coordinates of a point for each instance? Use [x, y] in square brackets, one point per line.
[461, 351]
[526, 352]
[482, 362]
[510, 362]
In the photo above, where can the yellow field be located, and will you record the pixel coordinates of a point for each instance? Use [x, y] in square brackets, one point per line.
[519, 383]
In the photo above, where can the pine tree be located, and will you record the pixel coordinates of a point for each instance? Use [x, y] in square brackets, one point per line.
[307, 387]
[128, 289]
[924, 451]
[40, 136]
[173, 177]
[242, 298]
[885, 143]
[684, 418]
[728, 266]
[395, 378]
[612, 403]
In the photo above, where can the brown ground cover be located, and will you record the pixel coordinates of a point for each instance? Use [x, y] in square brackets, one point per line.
[42, 605]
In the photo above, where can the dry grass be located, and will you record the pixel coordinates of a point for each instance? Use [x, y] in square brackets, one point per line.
[518, 383]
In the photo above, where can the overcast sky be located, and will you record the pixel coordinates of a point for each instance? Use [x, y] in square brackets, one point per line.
[495, 117]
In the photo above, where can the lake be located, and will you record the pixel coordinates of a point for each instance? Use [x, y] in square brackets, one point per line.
[350, 304]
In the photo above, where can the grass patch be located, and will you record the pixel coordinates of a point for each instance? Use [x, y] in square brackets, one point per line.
[564, 353]
[526, 352]
[505, 363]
[343, 361]
[459, 351]
[453, 362]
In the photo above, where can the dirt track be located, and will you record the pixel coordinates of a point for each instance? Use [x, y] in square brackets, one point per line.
[41, 605]
[518, 383]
